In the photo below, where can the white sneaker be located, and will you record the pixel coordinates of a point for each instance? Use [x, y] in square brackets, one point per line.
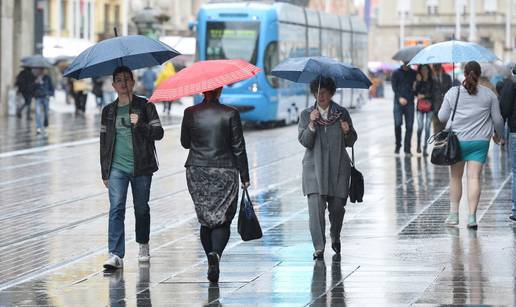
[114, 262]
[143, 255]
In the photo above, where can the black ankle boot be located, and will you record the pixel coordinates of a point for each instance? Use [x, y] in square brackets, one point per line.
[213, 267]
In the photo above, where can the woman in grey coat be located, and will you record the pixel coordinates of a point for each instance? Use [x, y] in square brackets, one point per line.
[325, 130]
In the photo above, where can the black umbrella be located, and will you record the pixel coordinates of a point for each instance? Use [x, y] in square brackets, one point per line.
[406, 54]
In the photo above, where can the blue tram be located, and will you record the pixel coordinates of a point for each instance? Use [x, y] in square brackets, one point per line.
[265, 35]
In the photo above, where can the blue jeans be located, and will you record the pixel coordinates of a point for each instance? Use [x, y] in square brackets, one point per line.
[41, 106]
[406, 111]
[140, 187]
[424, 119]
[100, 101]
[512, 149]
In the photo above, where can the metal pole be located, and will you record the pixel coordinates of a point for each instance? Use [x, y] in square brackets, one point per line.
[472, 21]
[508, 38]
[458, 9]
[402, 28]
[58, 22]
[125, 25]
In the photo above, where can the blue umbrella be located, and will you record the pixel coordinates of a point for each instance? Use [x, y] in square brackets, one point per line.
[133, 51]
[306, 69]
[453, 52]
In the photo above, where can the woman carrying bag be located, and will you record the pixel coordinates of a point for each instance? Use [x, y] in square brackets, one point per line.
[423, 92]
[213, 134]
[473, 111]
[325, 130]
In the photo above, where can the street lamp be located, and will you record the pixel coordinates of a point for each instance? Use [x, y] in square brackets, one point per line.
[149, 22]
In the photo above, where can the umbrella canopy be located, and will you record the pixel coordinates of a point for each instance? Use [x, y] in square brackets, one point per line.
[453, 52]
[306, 69]
[202, 77]
[35, 61]
[406, 54]
[133, 51]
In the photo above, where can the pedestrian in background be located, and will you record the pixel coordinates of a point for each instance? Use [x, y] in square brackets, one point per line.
[477, 112]
[167, 72]
[129, 127]
[42, 90]
[325, 130]
[423, 92]
[441, 84]
[80, 90]
[213, 134]
[148, 78]
[402, 82]
[98, 91]
[25, 84]
[508, 107]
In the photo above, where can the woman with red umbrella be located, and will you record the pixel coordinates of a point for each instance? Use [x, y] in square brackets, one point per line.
[213, 133]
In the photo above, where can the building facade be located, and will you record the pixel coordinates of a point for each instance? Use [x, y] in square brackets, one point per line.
[491, 23]
[91, 20]
[17, 29]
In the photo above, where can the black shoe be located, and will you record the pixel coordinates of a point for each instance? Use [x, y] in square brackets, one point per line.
[397, 150]
[425, 153]
[419, 149]
[336, 247]
[408, 153]
[318, 254]
[213, 267]
[512, 218]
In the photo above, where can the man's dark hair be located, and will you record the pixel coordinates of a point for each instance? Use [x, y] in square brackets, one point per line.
[326, 83]
[122, 69]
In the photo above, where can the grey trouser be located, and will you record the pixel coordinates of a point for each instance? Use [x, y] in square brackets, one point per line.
[316, 208]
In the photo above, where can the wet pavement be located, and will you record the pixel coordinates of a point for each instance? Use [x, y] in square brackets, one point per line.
[395, 249]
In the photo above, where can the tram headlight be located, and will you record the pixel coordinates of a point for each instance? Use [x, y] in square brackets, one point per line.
[254, 87]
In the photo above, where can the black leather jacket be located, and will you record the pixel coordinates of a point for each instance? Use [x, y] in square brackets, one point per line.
[507, 102]
[213, 133]
[147, 130]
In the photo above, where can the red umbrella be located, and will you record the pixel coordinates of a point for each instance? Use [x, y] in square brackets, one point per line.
[202, 77]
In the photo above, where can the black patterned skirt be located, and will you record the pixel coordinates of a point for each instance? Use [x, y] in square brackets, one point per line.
[214, 193]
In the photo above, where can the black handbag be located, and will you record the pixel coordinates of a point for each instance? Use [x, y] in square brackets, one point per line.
[356, 182]
[248, 225]
[446, 149]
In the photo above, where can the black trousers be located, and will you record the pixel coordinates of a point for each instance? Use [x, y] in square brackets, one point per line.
[215, 239]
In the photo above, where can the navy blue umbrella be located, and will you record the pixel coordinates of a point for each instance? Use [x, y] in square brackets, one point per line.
[306, 69]
[133, 51]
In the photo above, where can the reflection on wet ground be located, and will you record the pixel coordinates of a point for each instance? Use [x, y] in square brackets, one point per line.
[395, 249]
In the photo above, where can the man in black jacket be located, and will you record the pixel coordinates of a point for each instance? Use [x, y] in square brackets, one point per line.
[25, 83]
[402, 81]
[129, 127]
[508, 109]
[442, 82]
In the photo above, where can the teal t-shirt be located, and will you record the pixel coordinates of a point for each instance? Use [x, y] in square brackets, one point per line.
[123, 157]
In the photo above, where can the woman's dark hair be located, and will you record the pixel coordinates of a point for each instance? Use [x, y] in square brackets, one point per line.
[326, 83]
[429, 71]
[122, 69]
[472, 72]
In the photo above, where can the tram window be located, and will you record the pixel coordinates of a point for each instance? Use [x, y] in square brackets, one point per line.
[271, 61]
[232, 40]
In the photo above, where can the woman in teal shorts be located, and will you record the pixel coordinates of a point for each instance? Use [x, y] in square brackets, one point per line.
[477, 120]
[474, 150]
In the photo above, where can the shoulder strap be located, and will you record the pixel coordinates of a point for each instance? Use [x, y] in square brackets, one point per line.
[352, 156]
[456, 102]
